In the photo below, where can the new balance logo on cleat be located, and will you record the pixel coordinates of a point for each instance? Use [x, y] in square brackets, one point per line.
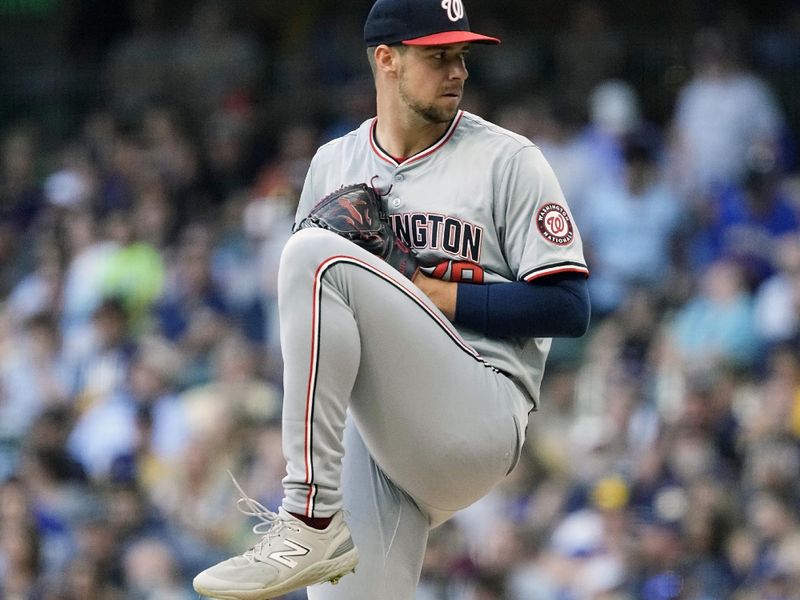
[284, 556]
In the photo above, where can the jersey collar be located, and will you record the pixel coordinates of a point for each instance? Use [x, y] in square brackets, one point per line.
[386, 157]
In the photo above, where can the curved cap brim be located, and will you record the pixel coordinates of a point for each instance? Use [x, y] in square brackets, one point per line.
[451, 37]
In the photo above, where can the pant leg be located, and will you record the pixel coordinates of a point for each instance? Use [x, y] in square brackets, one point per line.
[440, 422]
[388, 528]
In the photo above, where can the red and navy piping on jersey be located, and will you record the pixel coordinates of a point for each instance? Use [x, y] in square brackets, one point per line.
[386, 157]
[313, 371]
[566, 266]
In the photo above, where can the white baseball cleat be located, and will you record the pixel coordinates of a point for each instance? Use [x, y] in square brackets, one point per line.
[290, 555]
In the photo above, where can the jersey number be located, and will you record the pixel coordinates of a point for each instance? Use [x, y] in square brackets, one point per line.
[459, 272]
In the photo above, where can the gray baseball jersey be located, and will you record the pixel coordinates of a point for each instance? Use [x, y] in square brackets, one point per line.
[482, 203]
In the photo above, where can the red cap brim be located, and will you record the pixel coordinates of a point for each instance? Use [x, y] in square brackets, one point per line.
[451, 37]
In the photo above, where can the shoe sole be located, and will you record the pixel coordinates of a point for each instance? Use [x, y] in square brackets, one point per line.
[324, 571]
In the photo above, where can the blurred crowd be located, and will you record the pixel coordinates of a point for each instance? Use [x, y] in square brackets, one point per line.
[140, 352]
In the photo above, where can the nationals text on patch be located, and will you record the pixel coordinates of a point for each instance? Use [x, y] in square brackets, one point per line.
[554, 224]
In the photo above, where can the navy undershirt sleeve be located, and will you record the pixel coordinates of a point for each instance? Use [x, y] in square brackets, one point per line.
[552, 306]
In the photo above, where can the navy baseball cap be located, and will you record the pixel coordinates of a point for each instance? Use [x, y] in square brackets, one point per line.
[420, 23]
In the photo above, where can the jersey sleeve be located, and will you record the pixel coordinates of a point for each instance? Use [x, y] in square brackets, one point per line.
[538, 234]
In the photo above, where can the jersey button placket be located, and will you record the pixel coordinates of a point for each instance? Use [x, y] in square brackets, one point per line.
[395, 202]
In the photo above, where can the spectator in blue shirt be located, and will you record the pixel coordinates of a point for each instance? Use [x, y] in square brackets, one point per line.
[629, 228]
[752, 218]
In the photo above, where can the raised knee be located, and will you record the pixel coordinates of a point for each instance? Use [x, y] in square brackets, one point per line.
[308, 248]
[312, 244]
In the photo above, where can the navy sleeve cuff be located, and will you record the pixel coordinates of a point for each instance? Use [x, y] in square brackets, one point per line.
[555, 306]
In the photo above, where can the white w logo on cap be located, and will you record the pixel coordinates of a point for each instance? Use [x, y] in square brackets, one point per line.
[454, 8]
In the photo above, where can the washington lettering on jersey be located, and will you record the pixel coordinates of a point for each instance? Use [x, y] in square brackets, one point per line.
[430, 230]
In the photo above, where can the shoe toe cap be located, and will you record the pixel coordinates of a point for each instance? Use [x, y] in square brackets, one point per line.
[233, 575]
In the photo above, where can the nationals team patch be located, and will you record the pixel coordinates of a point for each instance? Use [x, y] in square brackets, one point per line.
[555, 225]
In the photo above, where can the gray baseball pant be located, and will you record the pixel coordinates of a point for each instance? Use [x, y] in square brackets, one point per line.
[431, 429]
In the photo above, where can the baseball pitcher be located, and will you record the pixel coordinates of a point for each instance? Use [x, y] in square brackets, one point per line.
[434, 256]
